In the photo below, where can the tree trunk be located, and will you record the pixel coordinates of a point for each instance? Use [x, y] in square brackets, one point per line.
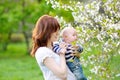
[23, 31]
[6, 42]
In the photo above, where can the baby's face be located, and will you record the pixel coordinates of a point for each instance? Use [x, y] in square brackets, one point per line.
[71, 36]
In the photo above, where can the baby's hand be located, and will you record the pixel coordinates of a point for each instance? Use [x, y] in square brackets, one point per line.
[76, 47]
[76, 54]
[75, 51]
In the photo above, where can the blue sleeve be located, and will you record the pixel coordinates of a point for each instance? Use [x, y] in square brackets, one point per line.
[56, 48]
[80, 49]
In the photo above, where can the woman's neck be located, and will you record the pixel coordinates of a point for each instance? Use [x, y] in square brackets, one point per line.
[49, 45]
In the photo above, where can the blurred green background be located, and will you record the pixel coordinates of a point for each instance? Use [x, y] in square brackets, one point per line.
[97, 23]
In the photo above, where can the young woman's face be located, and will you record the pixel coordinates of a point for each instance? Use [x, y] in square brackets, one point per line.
[54, 36]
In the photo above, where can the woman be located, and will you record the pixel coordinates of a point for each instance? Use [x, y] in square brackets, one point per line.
[52, 65]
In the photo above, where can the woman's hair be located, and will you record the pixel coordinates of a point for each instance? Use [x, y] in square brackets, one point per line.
[44, 27]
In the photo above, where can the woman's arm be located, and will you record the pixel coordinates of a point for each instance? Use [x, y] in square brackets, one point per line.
[58, 70]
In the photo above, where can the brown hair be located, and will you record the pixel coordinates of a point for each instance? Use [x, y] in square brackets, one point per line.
[44, 27]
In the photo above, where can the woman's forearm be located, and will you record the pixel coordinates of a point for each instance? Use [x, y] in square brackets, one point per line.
[63, 65]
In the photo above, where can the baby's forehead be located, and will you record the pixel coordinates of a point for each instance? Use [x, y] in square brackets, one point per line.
[68, 30]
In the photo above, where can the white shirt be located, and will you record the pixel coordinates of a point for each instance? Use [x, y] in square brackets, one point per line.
[40, 55]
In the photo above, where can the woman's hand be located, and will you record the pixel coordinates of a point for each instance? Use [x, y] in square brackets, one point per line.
[63, 47]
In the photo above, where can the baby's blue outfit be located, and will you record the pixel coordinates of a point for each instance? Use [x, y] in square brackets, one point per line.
[72, 61]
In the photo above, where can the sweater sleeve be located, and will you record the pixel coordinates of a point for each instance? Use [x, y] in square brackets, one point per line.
[80, 48]
[56, 48]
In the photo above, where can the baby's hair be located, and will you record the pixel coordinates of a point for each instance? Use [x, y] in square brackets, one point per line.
[64, 30]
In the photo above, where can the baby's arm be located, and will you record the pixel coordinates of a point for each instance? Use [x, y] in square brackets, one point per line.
[80, 48]
[58, 48]
[77, 50]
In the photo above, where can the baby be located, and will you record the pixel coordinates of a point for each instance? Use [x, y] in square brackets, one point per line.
[69, 36]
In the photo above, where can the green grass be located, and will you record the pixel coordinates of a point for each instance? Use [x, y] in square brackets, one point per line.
[16, 65]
